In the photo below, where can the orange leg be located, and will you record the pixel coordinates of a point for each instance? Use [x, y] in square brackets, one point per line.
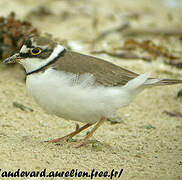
[78, 130]
[85, 139]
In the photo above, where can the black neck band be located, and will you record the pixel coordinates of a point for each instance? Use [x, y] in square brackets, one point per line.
[54, 60]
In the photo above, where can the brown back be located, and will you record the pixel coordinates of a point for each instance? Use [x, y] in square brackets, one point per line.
[105, 72]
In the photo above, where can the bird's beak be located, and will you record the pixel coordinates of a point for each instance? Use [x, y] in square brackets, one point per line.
[13, 59]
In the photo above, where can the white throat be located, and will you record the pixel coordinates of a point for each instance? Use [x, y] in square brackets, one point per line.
[33, 64]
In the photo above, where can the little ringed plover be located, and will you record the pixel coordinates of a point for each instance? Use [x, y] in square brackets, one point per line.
[76, 86]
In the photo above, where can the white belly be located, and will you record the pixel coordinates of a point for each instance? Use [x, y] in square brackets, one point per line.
[71, 97]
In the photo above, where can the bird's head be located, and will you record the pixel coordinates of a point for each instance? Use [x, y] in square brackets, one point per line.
[36, 52]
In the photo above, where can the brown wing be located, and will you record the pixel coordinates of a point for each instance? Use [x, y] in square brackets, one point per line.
[105, 72]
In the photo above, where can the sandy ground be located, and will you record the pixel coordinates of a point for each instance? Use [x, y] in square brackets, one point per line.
[147, 144]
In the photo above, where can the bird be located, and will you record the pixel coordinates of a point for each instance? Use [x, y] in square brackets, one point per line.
[76, 86]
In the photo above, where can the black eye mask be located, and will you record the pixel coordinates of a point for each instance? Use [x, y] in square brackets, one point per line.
[43, 55]
[36, 51]
[28, 44]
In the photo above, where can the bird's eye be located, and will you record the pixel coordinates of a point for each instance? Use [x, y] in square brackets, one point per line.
[35, 51]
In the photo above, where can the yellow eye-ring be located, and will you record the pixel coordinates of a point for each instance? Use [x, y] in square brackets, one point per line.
[35, 51]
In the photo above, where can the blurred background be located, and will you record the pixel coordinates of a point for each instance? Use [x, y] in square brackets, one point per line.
[142, 30]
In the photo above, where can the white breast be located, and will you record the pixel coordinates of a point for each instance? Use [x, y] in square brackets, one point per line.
[76, 97]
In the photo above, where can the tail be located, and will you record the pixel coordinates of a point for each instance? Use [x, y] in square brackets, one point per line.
[163, 82]
[143, 81]
[136, 85]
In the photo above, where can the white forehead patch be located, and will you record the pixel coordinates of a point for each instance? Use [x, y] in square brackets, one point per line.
[24, 49]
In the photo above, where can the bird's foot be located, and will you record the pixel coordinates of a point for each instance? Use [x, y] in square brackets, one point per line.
[69, 136]
[59, 139]
[79, 143]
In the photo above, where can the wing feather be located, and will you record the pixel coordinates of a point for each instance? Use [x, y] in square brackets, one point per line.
[105, 73]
